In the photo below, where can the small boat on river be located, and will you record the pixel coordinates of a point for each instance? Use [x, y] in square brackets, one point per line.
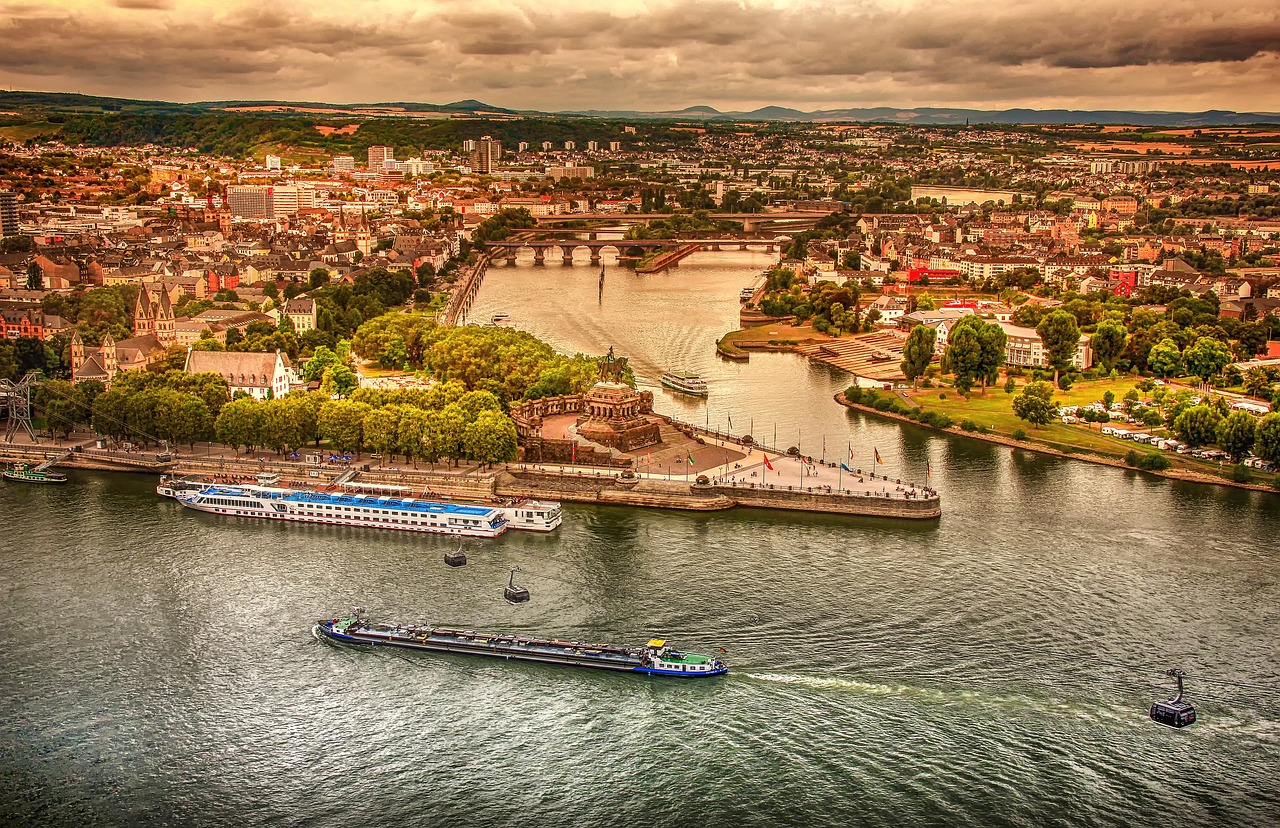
[22, 473]
[654, 658]
[686, 382]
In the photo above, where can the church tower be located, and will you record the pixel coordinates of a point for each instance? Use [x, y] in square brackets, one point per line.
[109, 363]
[144, 321]
[164, 328]
[77, 354]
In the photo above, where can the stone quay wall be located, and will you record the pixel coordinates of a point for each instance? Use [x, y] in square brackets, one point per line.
[895, 507]
[604, 488]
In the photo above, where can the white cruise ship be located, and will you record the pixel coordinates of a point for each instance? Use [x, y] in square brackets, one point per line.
[685, 382]
[406, 514]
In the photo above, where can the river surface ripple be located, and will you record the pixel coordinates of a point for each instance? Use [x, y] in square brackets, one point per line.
[992, 668]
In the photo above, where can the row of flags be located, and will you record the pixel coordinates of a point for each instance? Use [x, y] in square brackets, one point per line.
[877, 460]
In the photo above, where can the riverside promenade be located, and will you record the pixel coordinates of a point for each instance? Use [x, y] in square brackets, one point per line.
[709, 485]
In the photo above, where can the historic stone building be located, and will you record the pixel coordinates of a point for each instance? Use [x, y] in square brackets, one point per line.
[153, 332]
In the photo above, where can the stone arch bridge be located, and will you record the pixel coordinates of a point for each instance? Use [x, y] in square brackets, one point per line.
[565, 248]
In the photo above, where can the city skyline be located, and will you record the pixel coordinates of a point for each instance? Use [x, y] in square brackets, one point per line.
[656, 56]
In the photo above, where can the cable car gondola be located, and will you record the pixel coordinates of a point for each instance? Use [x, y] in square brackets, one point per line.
[1175, 712]
[515, 594]
[456, 558]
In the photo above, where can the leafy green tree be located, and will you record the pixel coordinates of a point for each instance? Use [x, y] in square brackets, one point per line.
[341, 422]
[35, 276]
[1206, 358]
[1108, 399]
[1236, 434]
[1251, 339]
[317, 278]
[1035, 404]
[1060, 335]
[111, 415]
[380, 431]
[183, 418]
[448, 433]
[1257, 383]
[322, 359]
[491, 437]
[141, 408]
[918, 353]
[1164, 359]
[1267, 438]
[340, 380]
[1108, 343]
[63, 405]
[411, 430]
[1198, 425]
[963, 357]
[240, 423]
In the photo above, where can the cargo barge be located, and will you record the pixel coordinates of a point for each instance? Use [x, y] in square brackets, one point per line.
[655, 658]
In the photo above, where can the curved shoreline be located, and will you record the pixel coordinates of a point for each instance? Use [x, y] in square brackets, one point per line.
[1096, 459]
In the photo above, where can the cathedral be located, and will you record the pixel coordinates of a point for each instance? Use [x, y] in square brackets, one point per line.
[153, 332]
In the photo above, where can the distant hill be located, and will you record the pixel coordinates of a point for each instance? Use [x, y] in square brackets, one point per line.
[63, 102]
[937, 115]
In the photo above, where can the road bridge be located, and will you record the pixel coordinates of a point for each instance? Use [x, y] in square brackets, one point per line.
[507, 250]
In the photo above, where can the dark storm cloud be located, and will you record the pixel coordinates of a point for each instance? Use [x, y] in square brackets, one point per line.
[1138, 54]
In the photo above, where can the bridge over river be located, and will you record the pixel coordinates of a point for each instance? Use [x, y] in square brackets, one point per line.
[507, 250]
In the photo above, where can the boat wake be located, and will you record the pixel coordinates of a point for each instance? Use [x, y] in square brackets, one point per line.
[943, 696]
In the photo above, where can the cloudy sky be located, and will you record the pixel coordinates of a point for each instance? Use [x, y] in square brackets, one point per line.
[656, 54]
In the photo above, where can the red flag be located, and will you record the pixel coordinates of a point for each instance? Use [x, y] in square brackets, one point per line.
[767, 464]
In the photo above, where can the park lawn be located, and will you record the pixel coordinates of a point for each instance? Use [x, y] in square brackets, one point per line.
[995, 411]
[778, 333]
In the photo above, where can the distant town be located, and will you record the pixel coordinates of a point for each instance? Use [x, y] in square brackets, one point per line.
[1023, 283]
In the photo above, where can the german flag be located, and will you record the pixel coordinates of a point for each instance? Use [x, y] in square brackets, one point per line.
[877, 454]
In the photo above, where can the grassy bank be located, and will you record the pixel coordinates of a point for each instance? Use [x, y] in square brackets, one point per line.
[991, 418]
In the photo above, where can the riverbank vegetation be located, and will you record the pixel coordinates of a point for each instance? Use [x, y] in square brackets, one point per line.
[477, 374]
[511, 364]
[1034, 415]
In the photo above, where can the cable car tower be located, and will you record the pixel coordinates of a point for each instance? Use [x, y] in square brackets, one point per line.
[16, 397]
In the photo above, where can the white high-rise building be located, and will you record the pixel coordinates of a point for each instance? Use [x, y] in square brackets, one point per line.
[343, 163]
[272, 162]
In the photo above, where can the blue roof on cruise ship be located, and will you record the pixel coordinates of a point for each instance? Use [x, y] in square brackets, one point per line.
[324, 499]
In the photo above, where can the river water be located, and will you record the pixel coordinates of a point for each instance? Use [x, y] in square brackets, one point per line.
[992, 668]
